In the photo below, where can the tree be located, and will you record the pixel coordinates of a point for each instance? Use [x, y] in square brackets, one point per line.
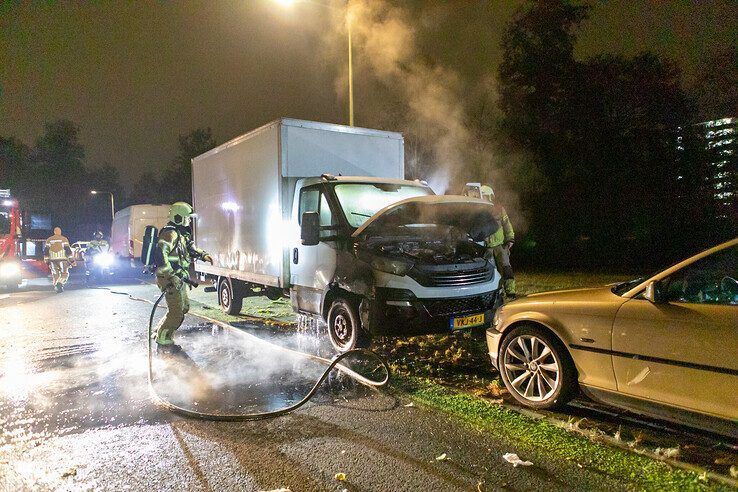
[52, 179]
[146, 189]
[177, 180]
[537, 81]
[14, 156]
[716, 90]
[538, 73]
[601, 132]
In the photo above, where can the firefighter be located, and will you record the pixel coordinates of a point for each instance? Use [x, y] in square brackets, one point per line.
[500, 243]
[175, 252]
[97, 245]
[58, 255]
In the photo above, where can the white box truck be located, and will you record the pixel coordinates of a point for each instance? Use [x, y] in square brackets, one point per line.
[127, 230]
[321, 213]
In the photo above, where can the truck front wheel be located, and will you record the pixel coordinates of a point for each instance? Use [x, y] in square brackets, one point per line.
[229, 301]
[344, 326]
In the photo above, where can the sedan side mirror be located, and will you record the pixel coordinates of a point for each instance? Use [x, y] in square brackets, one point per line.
[653, 293]
[310, 228]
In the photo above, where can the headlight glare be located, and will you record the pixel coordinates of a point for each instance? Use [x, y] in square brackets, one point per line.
[104, 259]
[9, 269]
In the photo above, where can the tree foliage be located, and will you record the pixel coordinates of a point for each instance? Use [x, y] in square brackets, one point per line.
[602, 134]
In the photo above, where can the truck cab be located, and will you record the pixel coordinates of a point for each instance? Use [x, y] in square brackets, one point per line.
[388, 257]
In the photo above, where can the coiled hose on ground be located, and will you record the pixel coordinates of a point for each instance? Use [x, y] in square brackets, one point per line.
[331, 364]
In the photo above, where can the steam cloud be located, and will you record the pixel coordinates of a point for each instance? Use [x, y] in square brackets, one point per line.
[431, 109]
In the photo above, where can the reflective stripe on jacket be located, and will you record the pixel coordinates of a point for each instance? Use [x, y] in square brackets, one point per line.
[505, 233]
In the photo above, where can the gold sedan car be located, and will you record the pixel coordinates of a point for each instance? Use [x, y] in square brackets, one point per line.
[665, 346]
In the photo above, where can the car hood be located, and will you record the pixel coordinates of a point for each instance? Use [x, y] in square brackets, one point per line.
[570, 295]
[471, 215]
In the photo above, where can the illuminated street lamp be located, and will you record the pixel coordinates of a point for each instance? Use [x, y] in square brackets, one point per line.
[112, 201]
[288, 3]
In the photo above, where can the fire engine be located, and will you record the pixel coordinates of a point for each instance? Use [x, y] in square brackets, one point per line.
[10, 241]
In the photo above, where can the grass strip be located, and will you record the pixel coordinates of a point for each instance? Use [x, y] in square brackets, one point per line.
[539, 438]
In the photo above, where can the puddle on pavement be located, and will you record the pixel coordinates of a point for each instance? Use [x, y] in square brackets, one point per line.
[52, 384]
[226, 371]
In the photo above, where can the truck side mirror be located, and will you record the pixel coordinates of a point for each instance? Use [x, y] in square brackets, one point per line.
[310, 228]
[653, 293]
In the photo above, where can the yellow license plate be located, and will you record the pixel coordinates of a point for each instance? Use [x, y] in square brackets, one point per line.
[467, 321]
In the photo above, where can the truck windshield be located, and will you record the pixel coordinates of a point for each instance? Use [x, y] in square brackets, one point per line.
[360, 201]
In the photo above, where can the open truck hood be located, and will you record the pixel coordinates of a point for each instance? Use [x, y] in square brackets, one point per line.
[471, 215]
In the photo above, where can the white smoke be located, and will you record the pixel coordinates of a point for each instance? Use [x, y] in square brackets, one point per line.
[425, 101]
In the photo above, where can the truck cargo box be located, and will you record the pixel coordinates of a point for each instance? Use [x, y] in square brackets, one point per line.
[242, 191]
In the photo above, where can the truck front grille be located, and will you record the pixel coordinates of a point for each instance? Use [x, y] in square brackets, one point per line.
[460, 305]
[442, 276]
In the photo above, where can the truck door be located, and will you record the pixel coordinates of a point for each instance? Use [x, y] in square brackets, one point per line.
[312, 267]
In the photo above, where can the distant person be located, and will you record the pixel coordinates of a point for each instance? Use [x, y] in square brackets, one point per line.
[500, 243]
[97, 245]
[175, 252]
[58, 255]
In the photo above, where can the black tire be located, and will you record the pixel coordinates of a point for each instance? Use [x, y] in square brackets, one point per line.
[344, 326]
[229, 301]
[517, 374]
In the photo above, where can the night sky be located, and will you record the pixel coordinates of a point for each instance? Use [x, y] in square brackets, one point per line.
[134, 75]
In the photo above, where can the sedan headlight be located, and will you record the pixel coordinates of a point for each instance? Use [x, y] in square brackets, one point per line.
[395, 266]
[104, 259]
[9, 269]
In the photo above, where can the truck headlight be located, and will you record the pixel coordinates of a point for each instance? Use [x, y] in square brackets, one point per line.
[395, 266]
[10, 269]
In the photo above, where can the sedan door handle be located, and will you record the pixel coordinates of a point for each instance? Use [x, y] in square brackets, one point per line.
[295, 256]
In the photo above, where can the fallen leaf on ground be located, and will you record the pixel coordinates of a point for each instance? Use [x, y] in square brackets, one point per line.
[734, 471]
[442, 457]
[668, 452]
[411, 404]
[69, 473]
[513, 459]
[341, 477]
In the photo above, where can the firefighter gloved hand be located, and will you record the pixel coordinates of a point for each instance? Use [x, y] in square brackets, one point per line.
[489, 254]
[207, 258]
[508, 246]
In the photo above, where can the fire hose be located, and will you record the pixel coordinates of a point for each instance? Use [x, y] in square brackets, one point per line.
[331, 364]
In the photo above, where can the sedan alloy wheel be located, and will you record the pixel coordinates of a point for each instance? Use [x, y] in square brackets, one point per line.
[531, 368]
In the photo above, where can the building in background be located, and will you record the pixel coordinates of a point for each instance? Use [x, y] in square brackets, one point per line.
[708, 160]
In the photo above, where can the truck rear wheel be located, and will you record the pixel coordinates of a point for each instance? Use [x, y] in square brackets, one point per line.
[229, 301]
[344, 326]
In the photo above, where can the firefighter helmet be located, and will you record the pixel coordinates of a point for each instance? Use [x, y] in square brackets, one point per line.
[180, 213]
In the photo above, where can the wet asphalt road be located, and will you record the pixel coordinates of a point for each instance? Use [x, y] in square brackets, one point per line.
[75, 413]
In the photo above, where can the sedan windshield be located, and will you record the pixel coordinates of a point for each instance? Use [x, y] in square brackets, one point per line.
[360, 201]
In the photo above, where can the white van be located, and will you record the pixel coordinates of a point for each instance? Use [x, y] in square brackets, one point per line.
[128, 228]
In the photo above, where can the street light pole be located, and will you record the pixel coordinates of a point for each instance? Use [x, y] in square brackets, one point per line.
[350, 72]
[350, 54]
